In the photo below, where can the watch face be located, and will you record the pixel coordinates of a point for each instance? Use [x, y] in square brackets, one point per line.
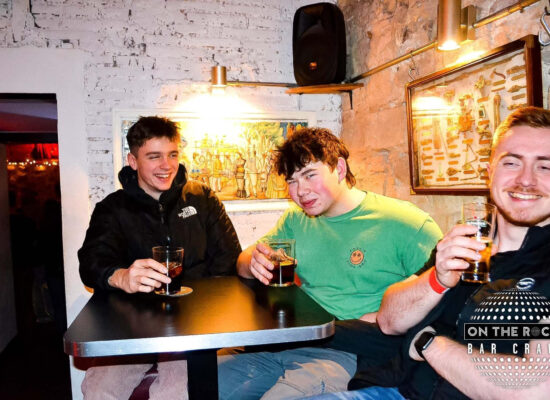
[423, 342]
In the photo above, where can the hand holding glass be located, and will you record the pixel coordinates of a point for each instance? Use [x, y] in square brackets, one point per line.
[482, 216]
[172, 259]
[284, 262]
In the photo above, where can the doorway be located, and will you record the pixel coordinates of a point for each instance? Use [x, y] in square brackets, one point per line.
[33, 365]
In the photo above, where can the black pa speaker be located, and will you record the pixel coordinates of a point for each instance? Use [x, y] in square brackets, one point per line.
[319, 45]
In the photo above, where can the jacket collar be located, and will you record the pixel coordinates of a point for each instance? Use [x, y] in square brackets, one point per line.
[532, 256]
[535, 237]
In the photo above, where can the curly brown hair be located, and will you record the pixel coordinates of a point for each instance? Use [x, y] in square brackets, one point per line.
[311, 145]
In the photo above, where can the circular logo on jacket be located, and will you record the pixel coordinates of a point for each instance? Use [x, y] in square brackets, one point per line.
[525, 284]
[356, 257]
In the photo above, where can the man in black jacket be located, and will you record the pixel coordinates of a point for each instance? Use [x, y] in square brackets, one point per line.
[431, 308]
[157, 206]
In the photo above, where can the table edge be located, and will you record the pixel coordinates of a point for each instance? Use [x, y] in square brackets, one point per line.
[172, 344]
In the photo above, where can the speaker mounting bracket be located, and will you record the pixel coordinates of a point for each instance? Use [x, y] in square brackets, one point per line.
[327, 89]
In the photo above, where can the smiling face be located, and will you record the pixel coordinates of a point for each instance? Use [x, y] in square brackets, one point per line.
[317, 188]
[156, 163]
[520, 176]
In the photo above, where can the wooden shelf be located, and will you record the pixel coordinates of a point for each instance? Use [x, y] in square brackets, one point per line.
[324, 89]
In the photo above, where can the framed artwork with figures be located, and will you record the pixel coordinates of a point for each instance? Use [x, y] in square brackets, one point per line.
[233, 155]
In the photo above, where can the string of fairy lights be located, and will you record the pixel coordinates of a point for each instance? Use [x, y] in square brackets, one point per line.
[28, 164]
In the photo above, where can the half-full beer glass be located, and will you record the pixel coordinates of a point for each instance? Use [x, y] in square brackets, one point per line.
[482, 216]
[283, 260]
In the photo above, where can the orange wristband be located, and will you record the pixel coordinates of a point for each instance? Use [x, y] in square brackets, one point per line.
[435, 285]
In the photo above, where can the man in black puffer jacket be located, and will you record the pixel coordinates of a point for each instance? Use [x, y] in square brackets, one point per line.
[434, 357]
[157, 206]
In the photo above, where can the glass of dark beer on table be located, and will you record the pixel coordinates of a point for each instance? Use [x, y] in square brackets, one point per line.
[284, 262]
[481, 215]
[172, 259]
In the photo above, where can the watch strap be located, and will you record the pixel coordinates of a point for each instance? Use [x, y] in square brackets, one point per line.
[422, 343]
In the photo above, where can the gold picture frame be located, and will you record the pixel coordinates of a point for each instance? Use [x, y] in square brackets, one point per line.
[453, 113]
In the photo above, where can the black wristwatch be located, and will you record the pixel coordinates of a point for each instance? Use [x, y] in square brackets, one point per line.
[423, 342]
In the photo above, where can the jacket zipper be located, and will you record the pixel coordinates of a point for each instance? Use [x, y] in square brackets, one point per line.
[162, 221]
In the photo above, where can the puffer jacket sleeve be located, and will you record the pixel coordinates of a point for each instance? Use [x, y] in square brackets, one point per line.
[223, 246]
[103, 250]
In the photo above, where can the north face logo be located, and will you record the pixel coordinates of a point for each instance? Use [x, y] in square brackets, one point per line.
[187, 212]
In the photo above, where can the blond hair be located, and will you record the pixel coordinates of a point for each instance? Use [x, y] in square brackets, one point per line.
[535, 117]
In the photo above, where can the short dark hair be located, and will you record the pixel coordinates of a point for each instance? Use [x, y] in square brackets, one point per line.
[311, 145]
[534, 117]
[151, 127]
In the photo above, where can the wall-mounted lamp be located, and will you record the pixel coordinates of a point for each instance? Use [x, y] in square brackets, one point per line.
[454, 24]
[219, 76]
[219, 81]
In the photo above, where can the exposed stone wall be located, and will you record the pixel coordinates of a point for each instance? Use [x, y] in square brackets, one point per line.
[376, 128]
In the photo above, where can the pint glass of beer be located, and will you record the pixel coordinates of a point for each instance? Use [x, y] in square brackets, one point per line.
[283, 259]
[481, 215]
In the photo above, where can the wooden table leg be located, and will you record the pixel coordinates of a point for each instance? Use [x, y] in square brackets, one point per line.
[202, 372]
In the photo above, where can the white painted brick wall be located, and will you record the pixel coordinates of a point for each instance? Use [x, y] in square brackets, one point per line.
[152, 53]
[5, 12]
[157, 54]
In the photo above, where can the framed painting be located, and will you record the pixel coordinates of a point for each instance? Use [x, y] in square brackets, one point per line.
[232, 155]
[452, 115]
